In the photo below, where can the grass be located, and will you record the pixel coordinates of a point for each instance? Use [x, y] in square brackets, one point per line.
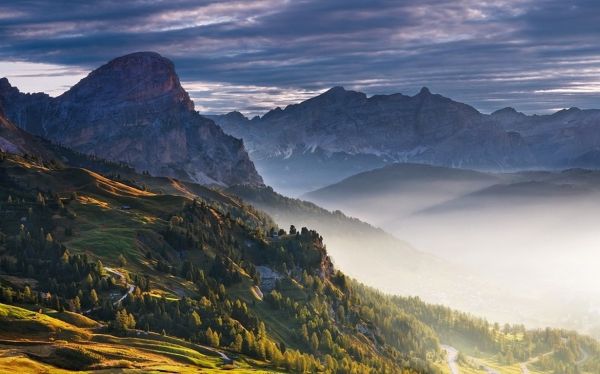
[24, 365]
[174, 351]
[74, 319]
[492, 362]
[110, 242]
[17, 322]
[33, 342]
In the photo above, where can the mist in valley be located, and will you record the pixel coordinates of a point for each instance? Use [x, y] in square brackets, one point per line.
[513, 247]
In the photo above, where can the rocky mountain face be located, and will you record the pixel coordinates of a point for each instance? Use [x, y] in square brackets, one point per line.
[17, 141]
[134, 110]
[424, 128]
[567, 138]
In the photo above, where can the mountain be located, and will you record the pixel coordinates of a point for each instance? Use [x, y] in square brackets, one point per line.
[348, 125]
[564, 139]
[196, 268]
[134, 110]
[341, 133]
[406, 187]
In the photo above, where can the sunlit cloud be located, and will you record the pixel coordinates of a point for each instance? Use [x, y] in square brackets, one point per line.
[591, 87]
[219, 98]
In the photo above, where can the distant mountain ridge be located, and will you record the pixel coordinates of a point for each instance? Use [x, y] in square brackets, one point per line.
[424, 128]
[133, 109]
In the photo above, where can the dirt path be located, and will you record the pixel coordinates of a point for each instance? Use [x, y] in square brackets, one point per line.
[584, 357]
[130, 286]
[130, 289]
[451, 358]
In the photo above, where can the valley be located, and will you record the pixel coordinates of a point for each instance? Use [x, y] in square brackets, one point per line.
[540, 221]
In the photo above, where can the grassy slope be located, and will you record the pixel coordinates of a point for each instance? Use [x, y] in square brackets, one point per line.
[104, 231]
[32, 341]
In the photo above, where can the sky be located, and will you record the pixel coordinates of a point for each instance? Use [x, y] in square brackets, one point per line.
[535, 55]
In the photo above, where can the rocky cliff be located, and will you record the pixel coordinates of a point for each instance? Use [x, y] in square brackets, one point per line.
[133, 109]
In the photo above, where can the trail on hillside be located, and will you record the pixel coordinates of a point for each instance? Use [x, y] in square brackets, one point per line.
[523, 365]
[130, 286]
[130, 289]
[584, 357]
[451, 358]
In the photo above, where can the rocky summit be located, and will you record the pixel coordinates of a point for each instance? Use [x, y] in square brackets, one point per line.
[133, 109]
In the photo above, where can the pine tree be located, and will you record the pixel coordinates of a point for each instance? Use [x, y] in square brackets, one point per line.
[76, 304]
[237, 343]
[194, 320]
[93, 297]
[314, 342]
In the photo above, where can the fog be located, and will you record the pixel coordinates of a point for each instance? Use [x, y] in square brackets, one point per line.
[521, 247]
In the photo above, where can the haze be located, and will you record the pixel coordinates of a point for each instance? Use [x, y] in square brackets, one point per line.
[532, 235]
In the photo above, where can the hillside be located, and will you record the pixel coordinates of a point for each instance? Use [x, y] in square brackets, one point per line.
[14, 140]
[85, 238]
[376, 257]
[34, 342]
[407, 187]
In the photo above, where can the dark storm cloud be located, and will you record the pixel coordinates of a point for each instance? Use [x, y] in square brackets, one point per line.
[252, 55]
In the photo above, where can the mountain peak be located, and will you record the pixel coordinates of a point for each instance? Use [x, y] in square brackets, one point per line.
[335, 90]
[140, 77]
[4, 83]
[134, 110]
[140, 55]
[567, 111]
[508, 111]
[6, 87]
[236, 115]
[424, 91]
[339, 94]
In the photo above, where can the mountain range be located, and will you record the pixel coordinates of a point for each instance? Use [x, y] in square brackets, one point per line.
[134, 110]
[342, 132]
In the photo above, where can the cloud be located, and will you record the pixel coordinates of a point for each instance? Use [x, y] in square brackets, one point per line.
[533, 55]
